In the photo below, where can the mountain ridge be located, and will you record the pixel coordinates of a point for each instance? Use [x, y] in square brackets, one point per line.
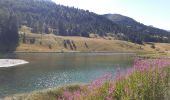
[117, 18]
[134, 25]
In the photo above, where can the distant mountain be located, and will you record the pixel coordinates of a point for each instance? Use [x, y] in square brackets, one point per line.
[132, 24]
[120, 18]
[125, 21]
[45, 16]
[156, 34]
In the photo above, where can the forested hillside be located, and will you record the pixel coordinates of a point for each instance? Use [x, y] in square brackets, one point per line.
[44, 16]
[146, 33]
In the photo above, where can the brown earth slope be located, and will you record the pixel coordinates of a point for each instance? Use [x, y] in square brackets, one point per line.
[31, 42]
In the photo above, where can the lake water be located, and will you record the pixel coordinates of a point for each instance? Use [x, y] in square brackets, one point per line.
[47, 70]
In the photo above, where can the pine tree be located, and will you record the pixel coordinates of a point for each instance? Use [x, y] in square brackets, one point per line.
[8, 33]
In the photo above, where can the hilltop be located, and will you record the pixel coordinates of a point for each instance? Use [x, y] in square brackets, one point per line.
[146, 33]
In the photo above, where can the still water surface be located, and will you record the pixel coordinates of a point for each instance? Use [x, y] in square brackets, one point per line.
[47, 70]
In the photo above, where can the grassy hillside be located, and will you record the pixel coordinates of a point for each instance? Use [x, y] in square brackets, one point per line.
[31, 42]
[52, 43]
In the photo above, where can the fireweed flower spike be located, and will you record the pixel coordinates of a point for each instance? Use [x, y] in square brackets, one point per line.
[147, 79]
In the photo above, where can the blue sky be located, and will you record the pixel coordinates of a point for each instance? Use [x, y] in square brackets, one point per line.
[149, 12]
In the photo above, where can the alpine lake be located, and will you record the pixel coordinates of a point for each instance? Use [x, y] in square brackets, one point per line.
[48, 70]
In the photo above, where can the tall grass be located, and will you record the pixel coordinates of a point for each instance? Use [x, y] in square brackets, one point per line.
[146, 80]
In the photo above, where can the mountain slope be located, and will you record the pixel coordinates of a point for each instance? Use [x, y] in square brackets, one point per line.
[117, 18]
[44, 16]
[154, 33]
[53, 43]
[125, 21]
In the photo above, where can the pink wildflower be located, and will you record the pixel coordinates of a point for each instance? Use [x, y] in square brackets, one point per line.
[67, 95]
